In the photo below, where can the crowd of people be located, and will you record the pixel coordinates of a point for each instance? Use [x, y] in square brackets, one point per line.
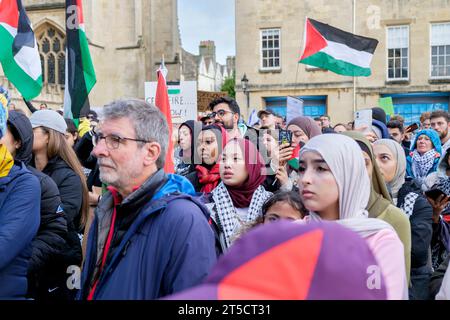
[296, 210]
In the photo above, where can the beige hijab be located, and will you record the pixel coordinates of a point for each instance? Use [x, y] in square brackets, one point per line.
[380, 198]
[343, 155]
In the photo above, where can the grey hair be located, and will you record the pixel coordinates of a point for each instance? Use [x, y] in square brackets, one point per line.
[149, 123]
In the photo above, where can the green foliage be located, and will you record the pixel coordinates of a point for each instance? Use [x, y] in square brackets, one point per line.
[228, 86]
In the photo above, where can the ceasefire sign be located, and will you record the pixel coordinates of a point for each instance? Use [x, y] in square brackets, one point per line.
[182, 98]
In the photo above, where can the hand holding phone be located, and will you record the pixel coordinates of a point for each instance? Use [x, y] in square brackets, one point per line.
[411, 128]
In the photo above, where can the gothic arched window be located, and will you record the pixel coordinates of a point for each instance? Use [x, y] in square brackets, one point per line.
[52, 47]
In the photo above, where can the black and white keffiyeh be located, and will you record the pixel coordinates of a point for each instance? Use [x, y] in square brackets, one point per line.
[422, 164]
[408, 204]
[226, 214]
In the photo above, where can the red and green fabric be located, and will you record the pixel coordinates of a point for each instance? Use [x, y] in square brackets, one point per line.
[80, 73]
[293, 161]
[293, 261]
[336, 50]
[19, 53]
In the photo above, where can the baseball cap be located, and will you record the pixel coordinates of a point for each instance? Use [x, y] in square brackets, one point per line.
[48, 119]
[267, 111]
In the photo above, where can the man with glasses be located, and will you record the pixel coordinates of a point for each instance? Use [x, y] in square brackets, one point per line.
[325, 120]
[226, 112]
[149, 237]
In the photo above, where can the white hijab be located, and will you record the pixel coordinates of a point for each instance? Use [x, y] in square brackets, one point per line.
[343, 155]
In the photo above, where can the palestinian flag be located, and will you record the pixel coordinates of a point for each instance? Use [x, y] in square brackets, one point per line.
[293, 161]
[333, 49]
[163, 104]
[19, 53]
[80, 74]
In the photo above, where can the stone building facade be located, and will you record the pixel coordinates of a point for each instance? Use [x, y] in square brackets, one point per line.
[204, 68]
[127, 41]
[411, 63]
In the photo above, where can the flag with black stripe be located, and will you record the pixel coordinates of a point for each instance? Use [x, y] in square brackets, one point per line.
[336, 50]
[80, 73]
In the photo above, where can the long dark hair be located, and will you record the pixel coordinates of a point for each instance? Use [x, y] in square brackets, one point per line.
[57, 146]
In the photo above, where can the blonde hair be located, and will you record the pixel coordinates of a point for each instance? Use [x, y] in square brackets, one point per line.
[57, 146]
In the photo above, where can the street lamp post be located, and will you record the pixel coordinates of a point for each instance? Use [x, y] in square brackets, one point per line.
[244, 83]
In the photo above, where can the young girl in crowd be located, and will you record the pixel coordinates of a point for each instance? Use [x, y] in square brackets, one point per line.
[238, 199]
[407, 195]
[54, 157]
[185, 162]
[210, 143]
[380, 204]
[334, 185]
[283, 205]
[425, 153]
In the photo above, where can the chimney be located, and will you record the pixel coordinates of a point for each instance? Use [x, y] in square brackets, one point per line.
[231, 63]
[207, 49]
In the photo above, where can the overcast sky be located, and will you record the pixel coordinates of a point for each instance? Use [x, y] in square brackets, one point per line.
[207, 20]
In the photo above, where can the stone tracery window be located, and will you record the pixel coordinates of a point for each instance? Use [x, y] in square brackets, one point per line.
[52, 47]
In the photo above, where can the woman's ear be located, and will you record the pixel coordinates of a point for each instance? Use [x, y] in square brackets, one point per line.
[17, 144]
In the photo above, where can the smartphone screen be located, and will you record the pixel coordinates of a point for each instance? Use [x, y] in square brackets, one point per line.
[412, 128]
[284, 136]
[363, 118]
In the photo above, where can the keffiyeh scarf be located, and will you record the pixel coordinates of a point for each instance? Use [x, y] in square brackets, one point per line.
[226, 215]
[422, 164]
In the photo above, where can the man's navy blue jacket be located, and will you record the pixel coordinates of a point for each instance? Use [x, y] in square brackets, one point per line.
[168, 245]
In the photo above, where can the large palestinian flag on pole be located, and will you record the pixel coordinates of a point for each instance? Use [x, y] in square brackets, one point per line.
[336, 50]
[19, 53]
[80, 74]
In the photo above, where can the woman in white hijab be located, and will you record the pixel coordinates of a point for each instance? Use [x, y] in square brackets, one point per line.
[407, 195]
[334, 185]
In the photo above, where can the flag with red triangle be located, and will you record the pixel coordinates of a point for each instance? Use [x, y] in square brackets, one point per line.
[163, 104]
[336, 50]
[19, 55]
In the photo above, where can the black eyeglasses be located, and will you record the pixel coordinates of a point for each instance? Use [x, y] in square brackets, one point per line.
[112, 141]
[220, 113]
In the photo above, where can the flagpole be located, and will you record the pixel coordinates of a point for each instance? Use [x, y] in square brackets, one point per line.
[354, 78]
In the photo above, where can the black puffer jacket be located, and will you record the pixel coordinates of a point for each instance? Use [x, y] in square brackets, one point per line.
[71, 191]
[83, 149]
[420, 212]
[52, 233]
[70, 188]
